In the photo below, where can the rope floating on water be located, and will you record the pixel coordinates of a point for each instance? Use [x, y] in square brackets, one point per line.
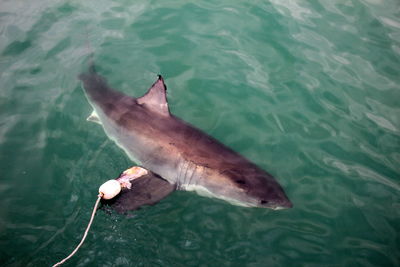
[108, 190]
[85, 234]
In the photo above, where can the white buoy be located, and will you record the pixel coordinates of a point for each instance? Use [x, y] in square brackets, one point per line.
[110, 189]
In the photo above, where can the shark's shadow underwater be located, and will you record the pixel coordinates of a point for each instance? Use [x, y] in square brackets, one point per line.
[180, 156]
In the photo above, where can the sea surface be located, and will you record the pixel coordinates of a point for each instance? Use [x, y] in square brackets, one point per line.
[308, 90]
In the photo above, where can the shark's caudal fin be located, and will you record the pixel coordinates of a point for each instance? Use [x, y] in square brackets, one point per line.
[146, 190]
[96, 87]
[156, 99]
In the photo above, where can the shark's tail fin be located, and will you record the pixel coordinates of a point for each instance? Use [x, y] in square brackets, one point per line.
[92, 66]
[93, 82]
[90, 52]
[96, 87]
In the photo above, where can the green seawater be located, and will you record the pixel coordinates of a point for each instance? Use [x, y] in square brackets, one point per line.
[308, 90]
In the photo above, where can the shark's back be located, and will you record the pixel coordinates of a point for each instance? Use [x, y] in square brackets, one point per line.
[176, 150]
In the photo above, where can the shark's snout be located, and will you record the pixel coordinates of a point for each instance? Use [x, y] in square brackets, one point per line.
[280, 205]
[276, 204]
[272, 196]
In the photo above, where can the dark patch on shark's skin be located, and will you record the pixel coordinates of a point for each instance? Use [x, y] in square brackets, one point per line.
[179, 152]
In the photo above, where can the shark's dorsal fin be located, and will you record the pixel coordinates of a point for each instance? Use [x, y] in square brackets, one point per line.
[156, 99]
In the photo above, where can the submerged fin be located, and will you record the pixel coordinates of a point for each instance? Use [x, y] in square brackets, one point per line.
[93, 117]
[155, 99]
[146, 190]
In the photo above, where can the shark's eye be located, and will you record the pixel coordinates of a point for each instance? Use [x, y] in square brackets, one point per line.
[263, 202]
[240, 182]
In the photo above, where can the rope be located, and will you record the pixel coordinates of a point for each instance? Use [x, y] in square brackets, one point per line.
[85, 234]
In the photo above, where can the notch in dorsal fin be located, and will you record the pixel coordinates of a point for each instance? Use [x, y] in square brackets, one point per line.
[156, 99]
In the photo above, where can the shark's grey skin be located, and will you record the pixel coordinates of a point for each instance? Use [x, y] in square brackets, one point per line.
[178, 152]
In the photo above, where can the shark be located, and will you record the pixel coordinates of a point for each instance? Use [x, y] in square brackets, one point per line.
[179, 155]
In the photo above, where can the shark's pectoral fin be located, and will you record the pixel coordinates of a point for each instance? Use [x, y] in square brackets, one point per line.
[156, 99]
[146, 190]
[93, 117]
